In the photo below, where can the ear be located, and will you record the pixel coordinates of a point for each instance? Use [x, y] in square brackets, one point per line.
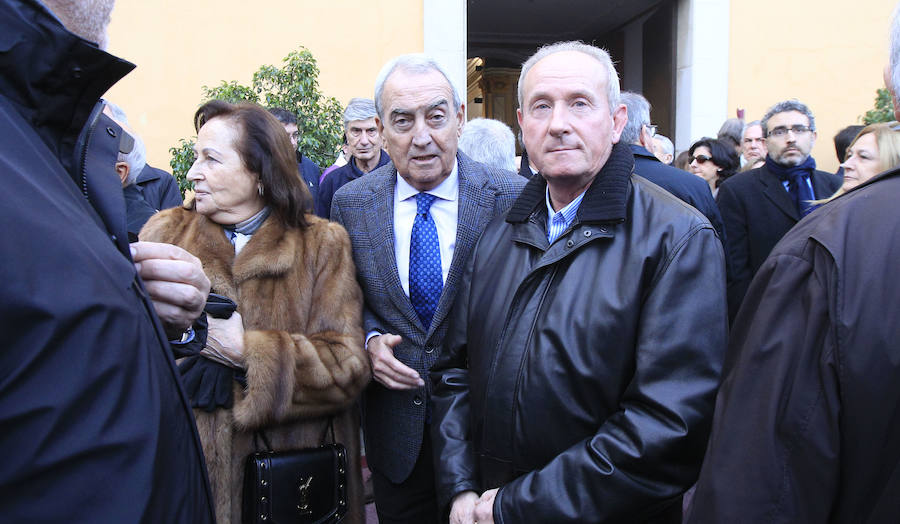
[646, 140]
[619, 119]
[461, 119]
[122, 170]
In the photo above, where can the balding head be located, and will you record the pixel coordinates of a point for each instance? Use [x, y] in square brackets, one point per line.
[88, 19]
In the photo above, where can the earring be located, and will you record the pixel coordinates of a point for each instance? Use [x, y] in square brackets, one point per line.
[259, 188]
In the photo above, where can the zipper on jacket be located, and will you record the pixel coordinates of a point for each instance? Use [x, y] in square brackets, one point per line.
[82, 168]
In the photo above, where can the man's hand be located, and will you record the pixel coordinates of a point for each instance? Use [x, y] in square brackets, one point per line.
[386, 369]
[484, 508]
[175, 281]
[462, 510]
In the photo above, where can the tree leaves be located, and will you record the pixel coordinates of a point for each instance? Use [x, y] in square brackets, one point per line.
[295, 87]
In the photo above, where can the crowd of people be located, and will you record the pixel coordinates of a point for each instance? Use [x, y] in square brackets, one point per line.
[583, 334]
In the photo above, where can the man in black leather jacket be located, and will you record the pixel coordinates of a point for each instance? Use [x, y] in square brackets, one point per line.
[579, 374]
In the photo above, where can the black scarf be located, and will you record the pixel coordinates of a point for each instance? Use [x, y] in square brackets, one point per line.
[796, 177]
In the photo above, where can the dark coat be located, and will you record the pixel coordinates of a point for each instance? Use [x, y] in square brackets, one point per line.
[303, 344]
[686, 186]
[806, 426]
[159, 188]
[580, 376]
[394, 421]
[95, 426]
[757, 212]
[137, 211]
[310, 173]
[336, 179]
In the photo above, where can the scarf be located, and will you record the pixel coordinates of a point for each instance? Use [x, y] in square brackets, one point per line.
[240, 233]
[796, 177]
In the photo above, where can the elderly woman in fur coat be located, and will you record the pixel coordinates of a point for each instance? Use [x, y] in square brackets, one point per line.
[292, 353]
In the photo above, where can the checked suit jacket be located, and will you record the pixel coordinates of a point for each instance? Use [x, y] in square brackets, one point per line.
[394, 421]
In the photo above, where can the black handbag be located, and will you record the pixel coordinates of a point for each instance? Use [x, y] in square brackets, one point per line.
[305, 486]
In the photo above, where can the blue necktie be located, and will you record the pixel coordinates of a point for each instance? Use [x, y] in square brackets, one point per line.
[801, 194]
[425, 276]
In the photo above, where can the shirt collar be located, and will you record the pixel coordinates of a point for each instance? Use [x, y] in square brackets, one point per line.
[567, 212]
[448, 189]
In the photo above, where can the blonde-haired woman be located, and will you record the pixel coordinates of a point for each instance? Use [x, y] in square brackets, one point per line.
[875, 150]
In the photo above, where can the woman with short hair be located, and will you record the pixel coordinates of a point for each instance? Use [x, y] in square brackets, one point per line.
[712, 161]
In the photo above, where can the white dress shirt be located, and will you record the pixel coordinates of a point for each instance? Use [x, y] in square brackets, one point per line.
[443, 210]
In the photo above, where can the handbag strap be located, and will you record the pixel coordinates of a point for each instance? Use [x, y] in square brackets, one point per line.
[328, 428]
[259, 434]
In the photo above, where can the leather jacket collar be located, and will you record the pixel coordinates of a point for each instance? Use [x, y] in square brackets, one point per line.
[605, 200]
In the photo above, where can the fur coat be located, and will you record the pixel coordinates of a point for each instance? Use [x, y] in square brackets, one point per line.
[301, 306]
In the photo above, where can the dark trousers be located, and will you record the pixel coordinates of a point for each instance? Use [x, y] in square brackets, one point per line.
[413, 501]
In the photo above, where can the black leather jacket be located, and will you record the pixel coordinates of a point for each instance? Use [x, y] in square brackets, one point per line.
[580, 376]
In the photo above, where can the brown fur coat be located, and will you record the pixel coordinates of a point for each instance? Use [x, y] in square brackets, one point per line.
[301, 307]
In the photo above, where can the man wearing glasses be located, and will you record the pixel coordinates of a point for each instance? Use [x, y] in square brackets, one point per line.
[759, 206]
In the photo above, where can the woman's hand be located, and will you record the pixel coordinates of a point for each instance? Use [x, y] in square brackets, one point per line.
[227, 337]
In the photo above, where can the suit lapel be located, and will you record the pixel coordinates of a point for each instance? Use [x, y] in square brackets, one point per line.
[476, 206]
[380, 225]
[774, 191]
[821, 188]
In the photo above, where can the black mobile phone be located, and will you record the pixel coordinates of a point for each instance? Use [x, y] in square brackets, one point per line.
[219, 306]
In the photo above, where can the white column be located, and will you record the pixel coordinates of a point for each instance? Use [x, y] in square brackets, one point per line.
[701, 99]
[445, 38]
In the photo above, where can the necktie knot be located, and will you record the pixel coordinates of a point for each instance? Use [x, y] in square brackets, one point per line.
[423, 203]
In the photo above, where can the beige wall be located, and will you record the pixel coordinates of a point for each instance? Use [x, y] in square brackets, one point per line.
[828, 54]
[181, 46]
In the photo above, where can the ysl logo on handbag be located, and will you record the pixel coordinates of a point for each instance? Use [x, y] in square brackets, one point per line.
[303, 491]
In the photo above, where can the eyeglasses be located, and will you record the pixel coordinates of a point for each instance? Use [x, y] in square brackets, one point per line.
[651, 129]
[781, 131]
[701, 159]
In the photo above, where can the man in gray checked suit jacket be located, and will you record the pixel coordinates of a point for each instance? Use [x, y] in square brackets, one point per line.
[439, 204]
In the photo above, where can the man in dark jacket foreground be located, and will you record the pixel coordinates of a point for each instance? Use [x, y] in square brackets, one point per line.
[806, 426]
[95, 427]
[579, 373]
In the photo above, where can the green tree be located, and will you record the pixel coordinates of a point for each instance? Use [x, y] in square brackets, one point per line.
[295, 87]
[884, 108]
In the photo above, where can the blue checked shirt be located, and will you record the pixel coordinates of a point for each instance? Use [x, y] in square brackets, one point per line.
[558, 222]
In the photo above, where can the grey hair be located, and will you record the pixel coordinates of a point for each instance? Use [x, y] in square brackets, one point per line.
[784, 106]
[490, 142]
[732, 128]
[417, 63]
[88, 19]
[358, 109]
[667, 145]
[748, 125]
[895, 53]
[137, 158]
[612, 80]
[638, 116]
